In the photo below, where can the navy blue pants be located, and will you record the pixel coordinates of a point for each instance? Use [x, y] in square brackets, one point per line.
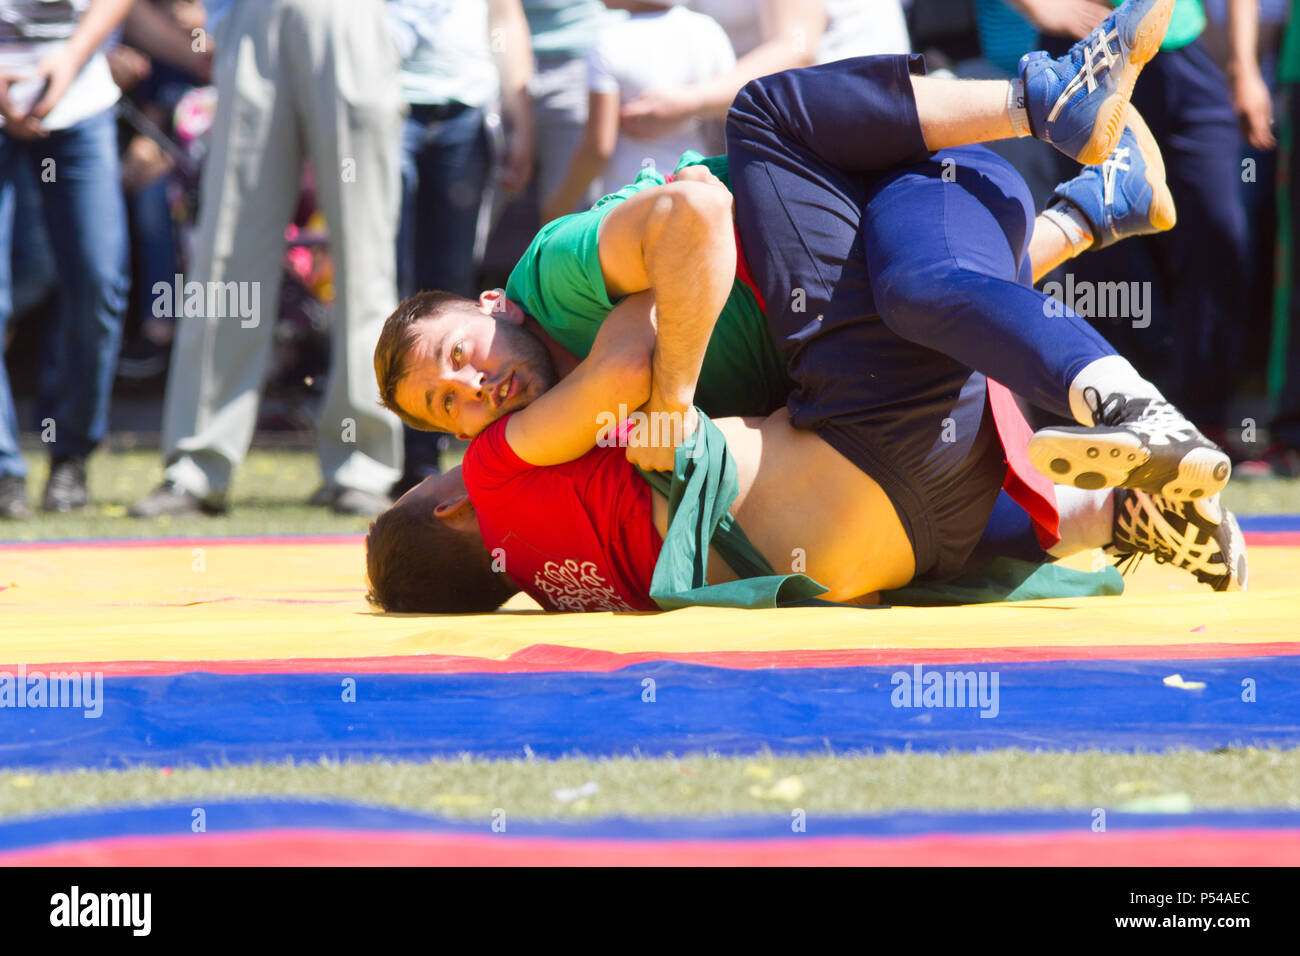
[890, 273]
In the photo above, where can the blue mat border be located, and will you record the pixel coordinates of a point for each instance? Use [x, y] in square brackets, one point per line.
[206, 719]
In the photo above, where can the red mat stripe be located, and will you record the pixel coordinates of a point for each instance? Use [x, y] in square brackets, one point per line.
[553, 657]
[1279, 539]
[1191, 846]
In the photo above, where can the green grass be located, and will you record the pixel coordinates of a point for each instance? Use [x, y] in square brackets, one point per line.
[272, 486]
[269, 497]
[710, 786]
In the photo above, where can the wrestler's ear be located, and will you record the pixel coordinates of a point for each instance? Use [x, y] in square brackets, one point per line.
[493, 302]
[453, 508]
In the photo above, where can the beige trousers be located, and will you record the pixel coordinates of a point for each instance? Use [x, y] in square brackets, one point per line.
[296, 79]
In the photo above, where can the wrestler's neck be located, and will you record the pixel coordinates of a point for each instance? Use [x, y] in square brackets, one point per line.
[563, 360]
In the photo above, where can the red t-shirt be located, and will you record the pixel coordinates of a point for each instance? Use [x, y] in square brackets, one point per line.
[576, 537]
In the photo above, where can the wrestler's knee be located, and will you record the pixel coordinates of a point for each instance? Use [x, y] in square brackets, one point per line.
[908, 293]
[757, 108]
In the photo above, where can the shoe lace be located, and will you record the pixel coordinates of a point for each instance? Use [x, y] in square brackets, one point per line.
[1114, 164]
[1139, 525]
[1149, 415]
[1096, 57]
[1128, 563]
[1110, 411]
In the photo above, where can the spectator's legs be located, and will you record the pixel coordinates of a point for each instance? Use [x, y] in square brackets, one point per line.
[250, 187]
[1284, 371]
[153, 250]
[351, 116]
[1205, 257]
[445, 165]
[86, 218]
[559, 92]
[11, 459]
[453, 171]
[414, 133]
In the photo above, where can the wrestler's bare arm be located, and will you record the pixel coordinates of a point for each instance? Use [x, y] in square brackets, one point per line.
[565, 423]
[677, 241]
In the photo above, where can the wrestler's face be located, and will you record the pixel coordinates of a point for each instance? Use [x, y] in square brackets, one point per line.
[472, 364]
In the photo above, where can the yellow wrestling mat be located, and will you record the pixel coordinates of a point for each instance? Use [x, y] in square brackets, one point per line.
[247, 600]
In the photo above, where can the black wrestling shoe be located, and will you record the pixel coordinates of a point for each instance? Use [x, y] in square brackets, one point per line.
[65, 489]
[1140, 443]
[13, 498]
[1201, 537]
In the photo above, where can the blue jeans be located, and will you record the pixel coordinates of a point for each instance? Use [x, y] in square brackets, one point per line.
[81, 194]
[153, 241]
[445, 164]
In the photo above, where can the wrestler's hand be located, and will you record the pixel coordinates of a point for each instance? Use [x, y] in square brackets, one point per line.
[701, 174]
[652, 441]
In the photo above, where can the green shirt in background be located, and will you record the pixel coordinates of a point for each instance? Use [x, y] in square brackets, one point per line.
[1288, 59]
[565, 27]
[558, 281]
[1186, 24]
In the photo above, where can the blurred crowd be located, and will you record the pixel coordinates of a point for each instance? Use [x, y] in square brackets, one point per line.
[229, 198]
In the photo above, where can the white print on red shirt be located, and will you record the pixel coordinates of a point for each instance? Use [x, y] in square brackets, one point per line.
[577, 587]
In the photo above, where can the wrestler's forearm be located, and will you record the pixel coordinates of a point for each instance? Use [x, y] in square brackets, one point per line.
[579, 412]
[690, 259]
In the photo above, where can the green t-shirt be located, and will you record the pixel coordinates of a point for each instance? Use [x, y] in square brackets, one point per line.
[1185, 25]
[1288, 60]
[559, 282]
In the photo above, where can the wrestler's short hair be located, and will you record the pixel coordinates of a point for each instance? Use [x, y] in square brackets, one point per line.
[417, 564]
[397, 338]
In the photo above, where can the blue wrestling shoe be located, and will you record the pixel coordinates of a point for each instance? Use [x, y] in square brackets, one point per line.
[1077, 102]
[1127, 194]
[1201, 537]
